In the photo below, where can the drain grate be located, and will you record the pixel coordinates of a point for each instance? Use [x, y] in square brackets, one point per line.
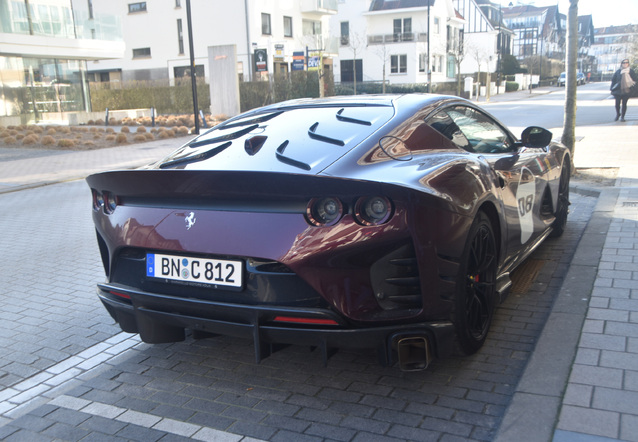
[630, 203]
[525, 275]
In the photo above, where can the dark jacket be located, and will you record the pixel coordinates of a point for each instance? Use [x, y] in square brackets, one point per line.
[615, 83]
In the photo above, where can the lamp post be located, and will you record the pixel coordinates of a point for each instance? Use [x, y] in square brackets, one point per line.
[192, 59]
[429, 68]
[499, 47]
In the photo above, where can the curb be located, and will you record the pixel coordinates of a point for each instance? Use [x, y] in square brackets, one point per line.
[534, 410]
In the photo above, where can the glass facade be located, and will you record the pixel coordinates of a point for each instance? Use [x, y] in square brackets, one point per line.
[31, 86]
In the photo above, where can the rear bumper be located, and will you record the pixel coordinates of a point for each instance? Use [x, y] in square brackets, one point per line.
[160, 319]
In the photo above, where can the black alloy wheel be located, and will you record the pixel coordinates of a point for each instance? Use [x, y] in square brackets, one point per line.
[562, 206]
[474, 306]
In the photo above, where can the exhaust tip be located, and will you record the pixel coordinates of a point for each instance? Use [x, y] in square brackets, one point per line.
[414, 353]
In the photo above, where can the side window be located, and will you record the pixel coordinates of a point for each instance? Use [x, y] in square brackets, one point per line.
[482, 133]
[450, 130]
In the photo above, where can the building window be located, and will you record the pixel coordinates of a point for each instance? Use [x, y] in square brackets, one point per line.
[180, 37]
[287, 26]
[437, 25]
[90, 5]
[311, 27]
[265, 24]
[136, 7]
[398, 64]
[345, 33]
[402, 29]
[142, 53]
[437, 64]
[178, 3]
[423, 62]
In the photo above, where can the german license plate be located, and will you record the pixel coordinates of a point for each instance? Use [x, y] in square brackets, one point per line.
[186, 268]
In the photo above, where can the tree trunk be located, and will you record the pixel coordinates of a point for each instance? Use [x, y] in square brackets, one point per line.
[569, 125]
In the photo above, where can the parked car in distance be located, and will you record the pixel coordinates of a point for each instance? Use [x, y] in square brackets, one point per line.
[580, 78]
[387, 222]
[562, 79]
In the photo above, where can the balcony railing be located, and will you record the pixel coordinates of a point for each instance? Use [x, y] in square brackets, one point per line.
[322, 7]
[379, 39]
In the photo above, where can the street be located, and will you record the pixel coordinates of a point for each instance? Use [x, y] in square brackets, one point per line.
[62, 353]
[594, 106]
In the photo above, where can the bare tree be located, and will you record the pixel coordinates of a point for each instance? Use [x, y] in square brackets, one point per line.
[458, 49]
[479, 55]
[569, 125]
[381, 51]
[357, 44]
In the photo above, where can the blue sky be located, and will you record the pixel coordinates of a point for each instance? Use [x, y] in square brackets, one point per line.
[604, 13]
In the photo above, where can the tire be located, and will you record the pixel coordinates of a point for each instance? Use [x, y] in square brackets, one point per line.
[475, 288]
[562, 205]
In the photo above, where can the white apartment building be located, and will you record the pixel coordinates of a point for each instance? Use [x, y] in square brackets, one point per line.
[272, 31]
[611, 45]
[486, 39]
[388, 40]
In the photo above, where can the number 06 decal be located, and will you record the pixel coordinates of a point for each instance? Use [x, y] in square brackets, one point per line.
[525, 197]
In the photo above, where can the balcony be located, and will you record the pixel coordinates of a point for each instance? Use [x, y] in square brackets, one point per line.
[328, 45]
[405, 37]
[319, 7]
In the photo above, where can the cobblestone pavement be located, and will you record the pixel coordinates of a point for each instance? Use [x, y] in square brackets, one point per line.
[68, 373]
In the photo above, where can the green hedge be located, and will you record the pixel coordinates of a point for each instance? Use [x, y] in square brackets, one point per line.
[377, 88]
[159, 94]
[177, 98]
[511, 86]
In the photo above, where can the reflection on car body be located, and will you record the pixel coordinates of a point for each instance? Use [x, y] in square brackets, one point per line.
[389, 222]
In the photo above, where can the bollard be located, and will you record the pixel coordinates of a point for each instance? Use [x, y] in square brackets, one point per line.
[152, 117]
[106, 119]
[201, 114]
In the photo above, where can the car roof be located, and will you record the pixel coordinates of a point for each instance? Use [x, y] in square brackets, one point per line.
[299, 136]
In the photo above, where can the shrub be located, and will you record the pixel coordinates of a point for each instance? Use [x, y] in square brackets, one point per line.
[149, 136]
[121, 138]
[9, 140]
[511, 86]
[141, 129]
[47, 140]
[110, 137]
[30, 139]
[139, 138]
[89, 144]
[65, 143]
[51, 131]
[125, 130]
[181, 131]
[164, 135]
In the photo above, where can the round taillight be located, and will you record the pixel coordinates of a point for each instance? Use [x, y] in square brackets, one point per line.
[372, 211]
[324, 211]
[110, 202]
[98, 200]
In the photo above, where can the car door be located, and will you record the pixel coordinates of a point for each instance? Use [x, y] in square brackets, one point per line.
[520, 174]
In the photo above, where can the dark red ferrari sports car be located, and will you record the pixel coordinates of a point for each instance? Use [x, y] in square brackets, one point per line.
[389, 222]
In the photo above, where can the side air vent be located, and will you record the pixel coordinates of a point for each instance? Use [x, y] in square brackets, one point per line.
[395, 280]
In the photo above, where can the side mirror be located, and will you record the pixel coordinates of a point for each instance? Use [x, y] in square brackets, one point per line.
[535, 136]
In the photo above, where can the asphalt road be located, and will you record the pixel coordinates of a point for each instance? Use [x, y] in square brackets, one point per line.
[548, 110]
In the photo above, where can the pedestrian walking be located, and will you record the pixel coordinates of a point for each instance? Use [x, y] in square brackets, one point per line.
[623, 86]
